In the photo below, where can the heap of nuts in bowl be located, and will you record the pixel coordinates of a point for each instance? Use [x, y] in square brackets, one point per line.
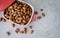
[18, 12]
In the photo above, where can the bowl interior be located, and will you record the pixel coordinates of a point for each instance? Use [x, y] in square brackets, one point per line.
[31, 15]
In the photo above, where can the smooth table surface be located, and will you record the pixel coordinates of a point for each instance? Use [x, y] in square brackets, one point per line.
[47, 27]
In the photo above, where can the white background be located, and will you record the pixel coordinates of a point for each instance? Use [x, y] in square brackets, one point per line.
[47, 27]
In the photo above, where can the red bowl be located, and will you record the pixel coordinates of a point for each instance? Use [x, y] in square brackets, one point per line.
[5, 3]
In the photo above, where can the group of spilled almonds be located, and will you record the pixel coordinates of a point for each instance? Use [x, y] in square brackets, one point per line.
[24, 31]
[18, 14]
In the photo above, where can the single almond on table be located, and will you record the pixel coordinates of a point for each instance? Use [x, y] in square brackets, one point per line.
[41, 9]
[30, 27]
[22, 32]
[13, 25]
[17, 30]
[35, 12]
[43, 14]
[25, 30]
[31, 31]
[0, 19]
[8, 33]
[39, 17]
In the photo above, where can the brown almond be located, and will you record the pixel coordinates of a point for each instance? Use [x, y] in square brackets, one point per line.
[30, 27]
[39, 17]
[17, 30]
[8, 33]
[25, 30]
[35, 12]
[41, 9]
[24, 21]
[31, 31]
[13, 25]
[22, 32]
[0, 19]
[43, 14]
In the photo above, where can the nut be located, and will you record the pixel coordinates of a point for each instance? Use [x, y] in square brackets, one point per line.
[39, 17]
[13, 25]
[30, 27]
[24, 21]
[43, 14]
[22, 32]
[11, 7]
[8, 33]
[35, 12]
[25, 30]
[41, 9]
[27, 16]
[17, 30]
[31, 31]
[1, 19]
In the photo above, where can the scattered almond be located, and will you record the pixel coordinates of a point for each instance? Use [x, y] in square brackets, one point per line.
[30, 27]
[22, 32]
[8, 33]
[31, 31]
[39, 17]
[41, 9]
[13, 25]
[43, 14]
[17, 30]
[35, 12]
[25, 30]
[0, 19]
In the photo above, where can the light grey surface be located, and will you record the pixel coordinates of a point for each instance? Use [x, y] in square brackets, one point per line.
[47, 27]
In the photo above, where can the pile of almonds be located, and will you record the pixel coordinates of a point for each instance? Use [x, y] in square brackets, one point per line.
[18, 12]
